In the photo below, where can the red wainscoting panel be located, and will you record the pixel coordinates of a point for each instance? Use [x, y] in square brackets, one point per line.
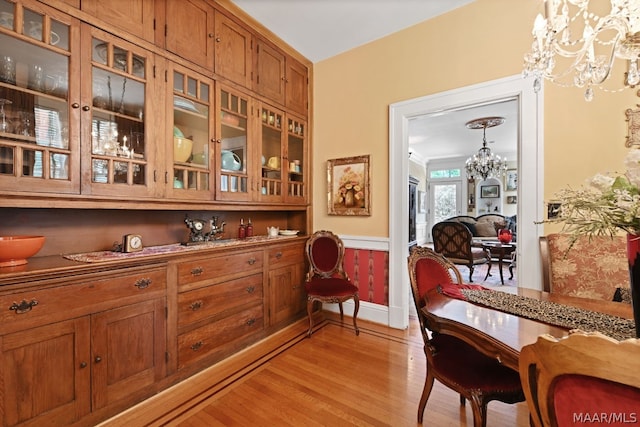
[369, 269]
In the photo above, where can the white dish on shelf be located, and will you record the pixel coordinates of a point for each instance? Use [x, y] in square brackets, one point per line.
[289, 232]
[185, 104]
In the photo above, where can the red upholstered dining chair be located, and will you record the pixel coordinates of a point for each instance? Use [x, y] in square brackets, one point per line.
[574, 380]
[326, 280]
[450, 360]
[454, 241]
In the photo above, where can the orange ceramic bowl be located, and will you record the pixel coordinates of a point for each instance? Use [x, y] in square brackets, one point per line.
[14, 250]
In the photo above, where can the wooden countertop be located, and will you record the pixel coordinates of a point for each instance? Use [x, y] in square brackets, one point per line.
[57, 266]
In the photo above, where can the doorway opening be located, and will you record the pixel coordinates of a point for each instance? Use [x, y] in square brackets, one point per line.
[530, 147]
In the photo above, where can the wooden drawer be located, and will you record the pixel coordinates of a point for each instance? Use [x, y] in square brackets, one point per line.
[219, 268]
[285, 255]
[35, 307]
[213, 337]
[215, 299]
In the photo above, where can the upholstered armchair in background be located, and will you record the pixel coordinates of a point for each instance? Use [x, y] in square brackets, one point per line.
[453, 240]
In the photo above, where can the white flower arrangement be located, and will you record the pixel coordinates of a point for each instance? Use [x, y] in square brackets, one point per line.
[606, 205]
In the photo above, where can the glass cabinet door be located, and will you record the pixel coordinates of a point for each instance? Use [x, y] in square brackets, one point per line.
[191, 100]
[234, 157]
[121, 155]
[39, 150]
[296, 155]
[271, 123]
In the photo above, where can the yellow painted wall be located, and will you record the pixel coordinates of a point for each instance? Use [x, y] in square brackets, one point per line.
[483, 41]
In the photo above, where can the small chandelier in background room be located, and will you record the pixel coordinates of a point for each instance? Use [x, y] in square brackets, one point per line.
[575, 46]
[485, 164]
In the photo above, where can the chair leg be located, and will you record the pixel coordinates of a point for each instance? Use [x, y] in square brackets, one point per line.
[341, 312]
[310, 315]
[488, 271]
[479, 410]
[356, 301]
[426, 391]
[471, 273]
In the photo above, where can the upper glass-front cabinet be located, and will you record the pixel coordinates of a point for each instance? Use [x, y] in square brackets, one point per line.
[234, 156]
[39, 150]
[190, 157]
[114, 118]
[271, 147]
[296, 155]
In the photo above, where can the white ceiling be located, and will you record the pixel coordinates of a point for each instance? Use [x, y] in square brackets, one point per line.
[320, 29]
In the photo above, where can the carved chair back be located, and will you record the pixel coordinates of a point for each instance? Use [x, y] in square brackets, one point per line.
[571, 380]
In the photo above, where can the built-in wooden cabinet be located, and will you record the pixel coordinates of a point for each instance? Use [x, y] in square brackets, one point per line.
[270, 71]
[133, 16]
[69, 349]
[120, 110]
[85, 112]
[235, 158]
[286, 282]
[190, 135]
[189, 31]
[280, 77]
[296, 90]
[233, 55]
[39, 100]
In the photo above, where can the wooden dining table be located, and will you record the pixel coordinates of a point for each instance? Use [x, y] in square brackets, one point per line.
[502, 335]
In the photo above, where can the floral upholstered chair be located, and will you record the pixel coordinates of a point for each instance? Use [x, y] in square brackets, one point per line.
[593, 268]
[582, 379]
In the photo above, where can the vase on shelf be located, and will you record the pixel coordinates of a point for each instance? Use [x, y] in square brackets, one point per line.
[633, 255]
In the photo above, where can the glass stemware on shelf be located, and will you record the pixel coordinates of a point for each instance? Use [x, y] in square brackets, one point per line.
[4, 124]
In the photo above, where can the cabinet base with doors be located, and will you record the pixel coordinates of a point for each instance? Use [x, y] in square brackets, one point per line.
[82, 349]
[286, 282]
[78, 346]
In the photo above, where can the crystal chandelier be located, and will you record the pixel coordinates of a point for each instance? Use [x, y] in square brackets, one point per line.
[485, 164]
[576, 46]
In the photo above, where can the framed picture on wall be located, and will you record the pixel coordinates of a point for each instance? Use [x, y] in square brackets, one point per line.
[489, 191]
[349, 188]
[511, 180]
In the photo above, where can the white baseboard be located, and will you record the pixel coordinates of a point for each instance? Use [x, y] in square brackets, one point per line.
[375, 313]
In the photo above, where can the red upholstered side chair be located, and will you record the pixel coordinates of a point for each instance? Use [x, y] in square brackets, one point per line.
[454, 241]
[326, 280]
[450, 360]
[569, 381]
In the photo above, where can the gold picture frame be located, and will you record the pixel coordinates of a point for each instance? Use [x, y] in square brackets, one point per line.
[349, 191]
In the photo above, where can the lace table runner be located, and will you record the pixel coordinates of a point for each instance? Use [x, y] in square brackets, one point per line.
[553, 313]
[101, 256]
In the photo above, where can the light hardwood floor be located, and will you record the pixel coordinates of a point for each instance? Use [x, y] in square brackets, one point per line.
[339, 379]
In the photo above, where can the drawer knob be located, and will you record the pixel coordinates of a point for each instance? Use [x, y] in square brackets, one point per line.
[197, 271]
[252, 261]
[83, 365]
[279, 255]
[251, 289]
[197, 346]
[142, 283]
[24, 306]
[251, 321]
[196, 305]
[98, 359]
